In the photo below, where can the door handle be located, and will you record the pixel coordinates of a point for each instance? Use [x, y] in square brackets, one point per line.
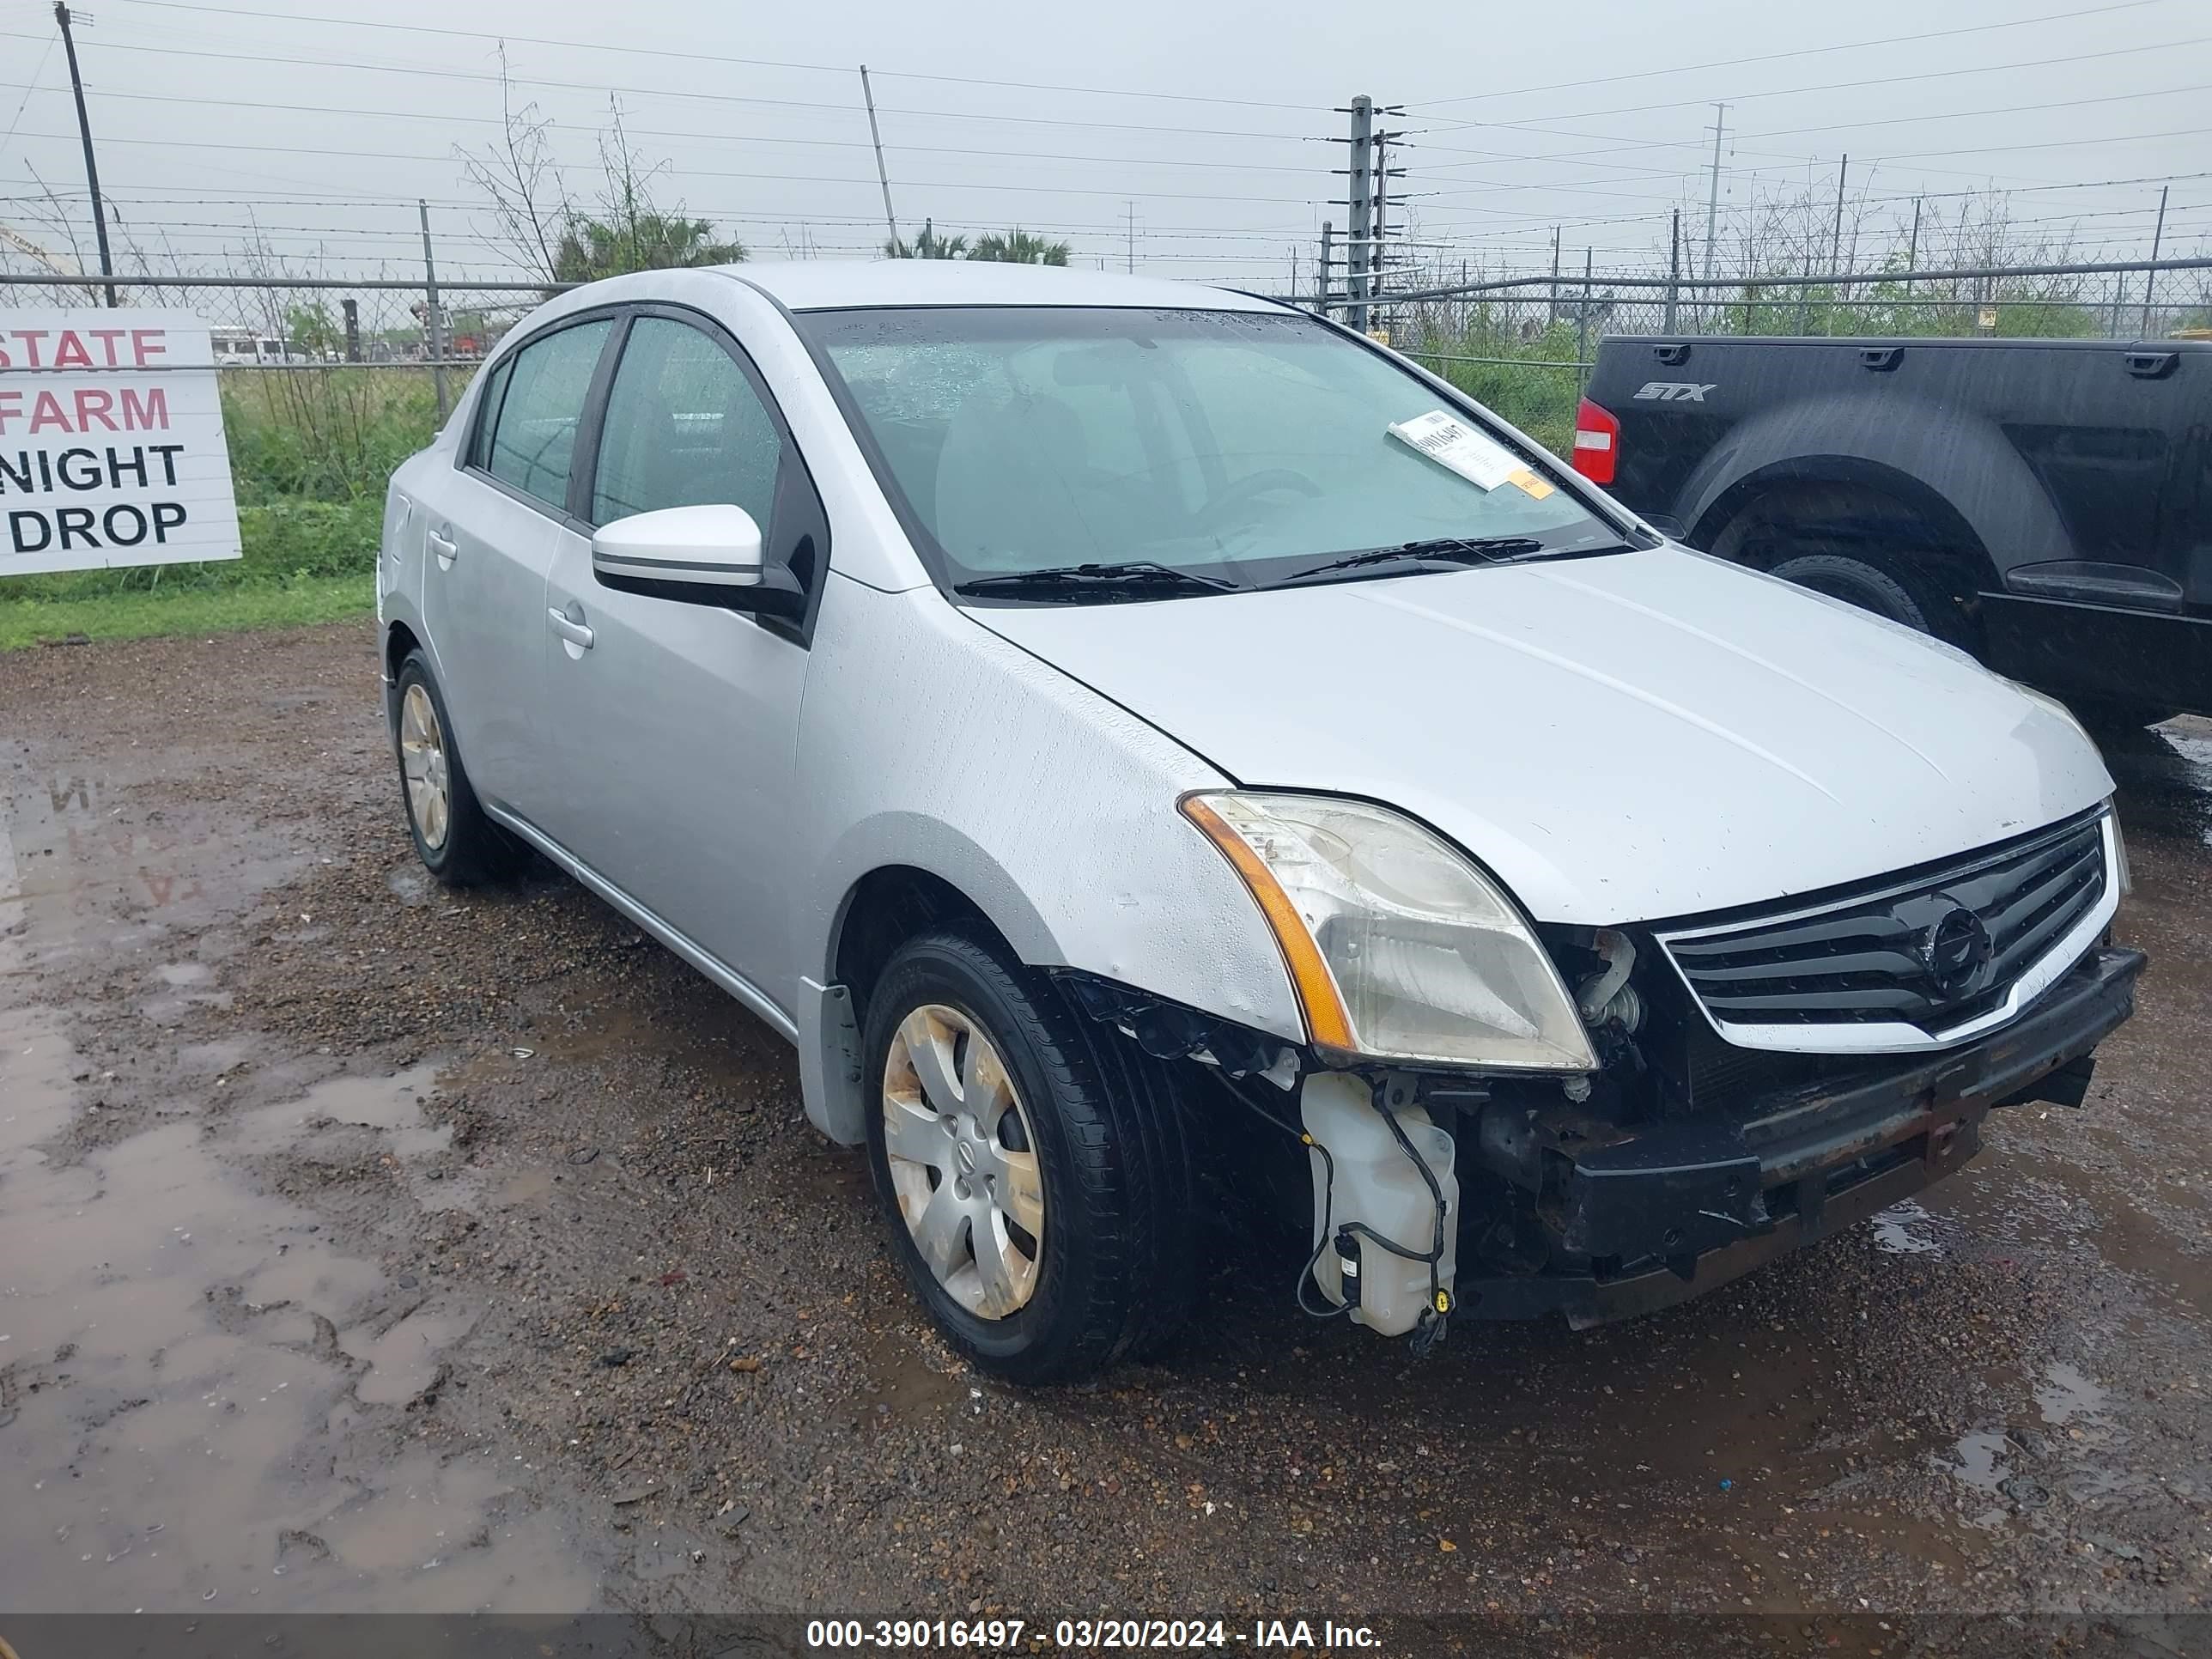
[569, 628]
[445, 547]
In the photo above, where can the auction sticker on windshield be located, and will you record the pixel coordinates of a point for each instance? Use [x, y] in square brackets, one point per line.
[1480, 459]
[110, 442]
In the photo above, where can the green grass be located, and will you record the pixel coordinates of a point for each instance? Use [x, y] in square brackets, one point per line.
[148, 613]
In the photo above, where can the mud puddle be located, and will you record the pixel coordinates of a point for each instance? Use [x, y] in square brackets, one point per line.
[186, 1425]
[196, 1387]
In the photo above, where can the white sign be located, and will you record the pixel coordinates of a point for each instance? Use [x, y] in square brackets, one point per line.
[110, 442]
[1475, 456]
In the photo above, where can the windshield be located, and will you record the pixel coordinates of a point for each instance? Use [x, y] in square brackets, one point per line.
[1247, 447]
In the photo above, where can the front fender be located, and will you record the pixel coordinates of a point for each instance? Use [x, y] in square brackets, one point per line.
[931, 743]
[1951, 464]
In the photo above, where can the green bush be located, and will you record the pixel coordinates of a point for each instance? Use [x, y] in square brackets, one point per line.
[1531, 379]
[325, 434]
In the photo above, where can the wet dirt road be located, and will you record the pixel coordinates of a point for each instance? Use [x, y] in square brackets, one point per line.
[362, 1245]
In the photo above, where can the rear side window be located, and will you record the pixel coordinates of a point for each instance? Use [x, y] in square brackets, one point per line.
[683, 428]
[533, 441]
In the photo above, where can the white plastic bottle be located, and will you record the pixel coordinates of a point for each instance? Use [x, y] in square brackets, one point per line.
[1377, 1184]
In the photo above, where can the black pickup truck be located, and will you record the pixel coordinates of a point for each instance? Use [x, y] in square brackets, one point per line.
[2045, 504]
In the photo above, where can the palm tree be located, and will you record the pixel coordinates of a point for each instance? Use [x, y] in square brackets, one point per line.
[927, 245]
[1019, 247]
[591, 248]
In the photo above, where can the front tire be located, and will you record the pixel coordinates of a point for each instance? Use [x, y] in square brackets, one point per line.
[1032, 1166]
[456, 842]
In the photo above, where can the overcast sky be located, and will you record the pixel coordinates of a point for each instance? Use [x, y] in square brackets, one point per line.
[322, 133]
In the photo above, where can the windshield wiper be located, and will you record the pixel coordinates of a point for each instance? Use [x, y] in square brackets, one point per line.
[1135, 577]
[1462, 549]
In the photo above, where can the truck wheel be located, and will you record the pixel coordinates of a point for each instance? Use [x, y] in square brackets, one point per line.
[457, 843]
[1033, 1165]
[2113, 718]
[1900, 596]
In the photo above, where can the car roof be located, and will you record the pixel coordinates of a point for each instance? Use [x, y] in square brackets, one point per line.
[831, 284]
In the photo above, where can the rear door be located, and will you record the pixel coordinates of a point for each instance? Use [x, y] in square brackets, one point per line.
[674, 730]
[490, 532]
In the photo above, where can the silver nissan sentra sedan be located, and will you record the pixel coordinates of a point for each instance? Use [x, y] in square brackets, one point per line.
[1163, 758]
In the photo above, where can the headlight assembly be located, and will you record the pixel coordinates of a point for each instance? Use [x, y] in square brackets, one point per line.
[1398, 947]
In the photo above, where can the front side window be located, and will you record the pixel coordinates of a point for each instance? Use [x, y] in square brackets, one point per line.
[1247, 447]
[683, 428]
[533, 441]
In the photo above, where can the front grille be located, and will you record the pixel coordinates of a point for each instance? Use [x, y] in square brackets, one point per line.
[1934, 953]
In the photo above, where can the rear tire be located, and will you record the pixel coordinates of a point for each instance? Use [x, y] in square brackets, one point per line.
[981, 1077]
[2107, 718]
[456, 842]
[1865, 548]
[1886, 590]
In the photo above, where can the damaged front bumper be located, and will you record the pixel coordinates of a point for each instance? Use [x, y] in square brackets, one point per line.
[1670, 1210]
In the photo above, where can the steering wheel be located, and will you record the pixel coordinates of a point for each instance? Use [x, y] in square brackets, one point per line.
[1258, 483]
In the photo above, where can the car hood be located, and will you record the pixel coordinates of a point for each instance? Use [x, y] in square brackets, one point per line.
[1626, 737]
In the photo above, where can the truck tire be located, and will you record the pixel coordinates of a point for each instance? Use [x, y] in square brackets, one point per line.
[2108, 718]
[1900, 595]
[1032, 1165]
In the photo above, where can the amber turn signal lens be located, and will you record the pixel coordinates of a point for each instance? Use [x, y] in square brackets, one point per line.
[1327, 1021]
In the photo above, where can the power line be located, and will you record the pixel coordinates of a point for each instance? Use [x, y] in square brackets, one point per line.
[1271, 233]
[2070, 59]
[698, 173]
[601, 89]
[29, 88]
[695, 137]
[1973, 115]
[688, 56]
[1782, 132]
[1777, 57]
[2051, 144]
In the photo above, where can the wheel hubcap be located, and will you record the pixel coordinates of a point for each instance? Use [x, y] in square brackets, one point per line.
[423, 763]
[962, 1161]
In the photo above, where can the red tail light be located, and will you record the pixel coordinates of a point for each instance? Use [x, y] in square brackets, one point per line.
[1597, 442]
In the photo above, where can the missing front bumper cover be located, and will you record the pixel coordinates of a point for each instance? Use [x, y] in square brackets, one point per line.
[1669, 1211]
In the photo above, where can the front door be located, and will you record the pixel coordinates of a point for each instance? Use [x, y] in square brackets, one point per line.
[673, 726]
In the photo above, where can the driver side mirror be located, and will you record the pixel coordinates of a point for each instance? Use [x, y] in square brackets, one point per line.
[678, 551]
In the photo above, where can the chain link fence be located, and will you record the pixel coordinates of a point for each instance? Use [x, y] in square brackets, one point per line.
[1524, 345]
[329, 382]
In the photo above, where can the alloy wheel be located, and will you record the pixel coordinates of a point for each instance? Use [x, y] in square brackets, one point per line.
[424, 764]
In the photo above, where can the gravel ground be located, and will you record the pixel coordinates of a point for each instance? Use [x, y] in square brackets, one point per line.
[436, 1252]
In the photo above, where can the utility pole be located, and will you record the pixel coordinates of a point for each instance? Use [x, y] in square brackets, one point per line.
[84, 131]
[1713, 190]
[2150, 276]
[882, 178]
[1327, 286]
[1129, 212]
[1552, 315]
[1582, 325]
[1836, 246]
[1363, 209]
[1912, 247]
[1673, 271]
[434, 325]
